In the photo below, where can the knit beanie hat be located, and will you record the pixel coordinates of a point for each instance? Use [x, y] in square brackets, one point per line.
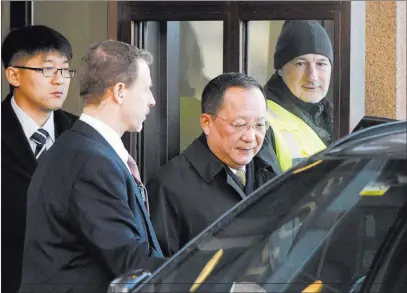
[300, 37]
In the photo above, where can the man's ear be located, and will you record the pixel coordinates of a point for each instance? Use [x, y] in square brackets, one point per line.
[206, 122]
[13, 76]
[118, 92]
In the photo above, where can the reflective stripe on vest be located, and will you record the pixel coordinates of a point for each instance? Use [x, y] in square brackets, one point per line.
[294, 139]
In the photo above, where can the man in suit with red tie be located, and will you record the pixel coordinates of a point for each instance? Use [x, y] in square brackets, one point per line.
[36, 61]
[87, 222]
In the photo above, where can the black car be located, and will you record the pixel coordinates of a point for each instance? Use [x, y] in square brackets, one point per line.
[337, 222]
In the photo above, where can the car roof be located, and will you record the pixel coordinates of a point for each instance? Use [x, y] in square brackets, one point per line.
[388, 138]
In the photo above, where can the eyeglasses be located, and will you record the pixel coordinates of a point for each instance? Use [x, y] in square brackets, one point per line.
[51, 71]
[240, 126]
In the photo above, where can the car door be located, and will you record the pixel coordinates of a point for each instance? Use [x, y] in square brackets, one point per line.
[388, 272]
[325, 222]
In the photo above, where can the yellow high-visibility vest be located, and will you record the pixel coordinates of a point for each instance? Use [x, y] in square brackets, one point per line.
[294, 139]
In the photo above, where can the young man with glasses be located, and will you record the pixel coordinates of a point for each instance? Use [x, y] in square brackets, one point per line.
[220, 168]
[36, 61]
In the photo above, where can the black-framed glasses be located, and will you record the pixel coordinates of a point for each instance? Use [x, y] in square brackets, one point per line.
[51, 71]
[241, 125]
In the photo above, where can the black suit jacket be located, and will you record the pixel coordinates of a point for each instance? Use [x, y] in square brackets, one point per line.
[17, 166]
[86, 219]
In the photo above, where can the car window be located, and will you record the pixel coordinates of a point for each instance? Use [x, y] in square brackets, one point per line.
[324, 222]
[397, 275]
[389, 270]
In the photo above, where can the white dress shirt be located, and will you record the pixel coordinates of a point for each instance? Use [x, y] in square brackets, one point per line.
[110, 135]
[235, 170]
[30, 126]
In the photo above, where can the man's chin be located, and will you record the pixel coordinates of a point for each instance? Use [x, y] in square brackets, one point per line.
[54, 105]
[312, 99]
[52, 108]
[137, 128]
[245, 161]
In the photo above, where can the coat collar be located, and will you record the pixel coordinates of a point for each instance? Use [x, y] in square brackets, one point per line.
[87, 130]
[202, 159]
[13, 134]
[63, 121]
[207, 164]
[90, 132]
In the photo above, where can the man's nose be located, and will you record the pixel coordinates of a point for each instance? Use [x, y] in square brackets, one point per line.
[312, 73]
[58, 78]
[151, 101]
[249, 134]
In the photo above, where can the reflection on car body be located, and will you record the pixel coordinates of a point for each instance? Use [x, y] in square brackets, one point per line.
[335, 222]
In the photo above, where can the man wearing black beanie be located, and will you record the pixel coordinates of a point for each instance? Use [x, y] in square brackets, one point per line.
[300, 116]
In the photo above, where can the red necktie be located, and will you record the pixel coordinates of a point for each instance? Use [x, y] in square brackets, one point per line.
[133, 168]
[136, 174]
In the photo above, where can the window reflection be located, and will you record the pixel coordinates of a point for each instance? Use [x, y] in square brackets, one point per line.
[263, 37]
[69, 18]
[201, 59]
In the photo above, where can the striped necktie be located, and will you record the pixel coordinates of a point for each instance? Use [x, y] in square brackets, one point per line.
[40, 138]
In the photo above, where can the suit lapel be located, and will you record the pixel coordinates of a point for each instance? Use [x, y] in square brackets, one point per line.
[146, 217]
[14, 138]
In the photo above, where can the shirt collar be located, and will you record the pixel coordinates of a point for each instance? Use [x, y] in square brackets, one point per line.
[111, 136]
[235, 170]
[29, 125]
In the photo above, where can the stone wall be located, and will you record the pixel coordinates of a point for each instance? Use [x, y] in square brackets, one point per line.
[386, 59]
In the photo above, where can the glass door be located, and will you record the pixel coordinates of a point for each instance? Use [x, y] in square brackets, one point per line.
[192, 42]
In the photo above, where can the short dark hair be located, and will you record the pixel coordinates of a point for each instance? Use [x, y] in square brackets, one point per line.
[32, 40]
[212, 95]
[107, 63]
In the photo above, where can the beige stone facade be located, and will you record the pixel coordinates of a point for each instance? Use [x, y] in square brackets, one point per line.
[386, 59]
